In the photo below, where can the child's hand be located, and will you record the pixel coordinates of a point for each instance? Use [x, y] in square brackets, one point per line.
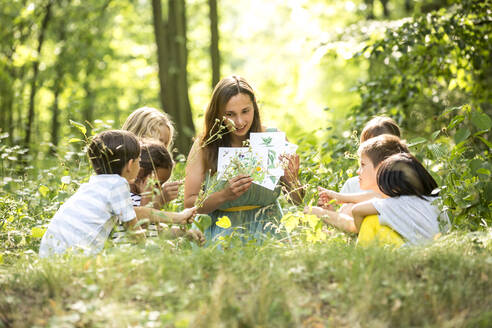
[327, 206]
[170, 190]
[196, 236]
[185, 216]
[318, 211]
[325, 196]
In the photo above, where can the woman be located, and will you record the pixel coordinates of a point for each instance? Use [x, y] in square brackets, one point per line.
[248, 205]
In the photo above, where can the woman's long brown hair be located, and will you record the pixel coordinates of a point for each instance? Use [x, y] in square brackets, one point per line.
[227, 88]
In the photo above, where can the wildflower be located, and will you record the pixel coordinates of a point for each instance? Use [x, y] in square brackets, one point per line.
[66, 179]
[258, 169]
[224, 222]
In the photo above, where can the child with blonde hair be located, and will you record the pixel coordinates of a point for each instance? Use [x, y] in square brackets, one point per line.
[148, 122]
[151, 123]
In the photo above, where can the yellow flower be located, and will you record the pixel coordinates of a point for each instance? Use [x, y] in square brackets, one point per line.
[258, 169]
[224, 222]
[38, 232]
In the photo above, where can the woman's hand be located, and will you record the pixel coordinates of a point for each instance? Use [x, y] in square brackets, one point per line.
[237, 186]
[170, 190]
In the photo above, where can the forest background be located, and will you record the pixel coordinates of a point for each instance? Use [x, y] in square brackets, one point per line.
[321, 69]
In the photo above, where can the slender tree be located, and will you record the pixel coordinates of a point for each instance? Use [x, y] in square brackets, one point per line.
[214, 42]
[34, 85]
[172, 59]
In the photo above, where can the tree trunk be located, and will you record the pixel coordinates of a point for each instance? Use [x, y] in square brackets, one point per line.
[6, 101]
[185, 116]
[214, 42]
[172, 60]
[386, 12]
[162, 53]
[30, 116]
[55, 124]
[408, 6]
[57, 89]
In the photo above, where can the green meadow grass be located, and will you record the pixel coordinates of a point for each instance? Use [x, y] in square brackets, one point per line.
[329, 284]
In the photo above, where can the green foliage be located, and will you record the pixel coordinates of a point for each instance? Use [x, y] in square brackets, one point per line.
[460, 159]
[430, 63]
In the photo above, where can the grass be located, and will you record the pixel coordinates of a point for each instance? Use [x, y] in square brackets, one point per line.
[335, 283]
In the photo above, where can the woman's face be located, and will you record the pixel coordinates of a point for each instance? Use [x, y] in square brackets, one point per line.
[239, 109]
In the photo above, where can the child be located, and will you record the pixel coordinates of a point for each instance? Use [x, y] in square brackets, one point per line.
[86, 219]
[155, 169]
[147, 122]
[156, 165]
[150, 123]
[371, 153]
[377, 126]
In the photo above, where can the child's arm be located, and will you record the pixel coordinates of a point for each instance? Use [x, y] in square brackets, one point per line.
[361, 210]
[183, 217]
[326, 196]
[339, 220]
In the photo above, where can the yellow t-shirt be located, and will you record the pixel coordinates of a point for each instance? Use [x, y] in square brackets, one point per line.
[373, 232]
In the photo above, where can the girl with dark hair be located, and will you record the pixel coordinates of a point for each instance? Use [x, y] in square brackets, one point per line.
[230, 116]
[156, 166]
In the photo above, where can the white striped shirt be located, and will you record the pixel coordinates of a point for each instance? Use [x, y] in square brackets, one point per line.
[86, 219]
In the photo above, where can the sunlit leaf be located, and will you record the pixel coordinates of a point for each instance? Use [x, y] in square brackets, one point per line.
[435, 134]
[74, 140]
[485, 141]
[483, 171]
[43, 190]
[79, 126]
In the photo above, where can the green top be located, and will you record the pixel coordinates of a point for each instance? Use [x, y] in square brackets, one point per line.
[253, 221]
